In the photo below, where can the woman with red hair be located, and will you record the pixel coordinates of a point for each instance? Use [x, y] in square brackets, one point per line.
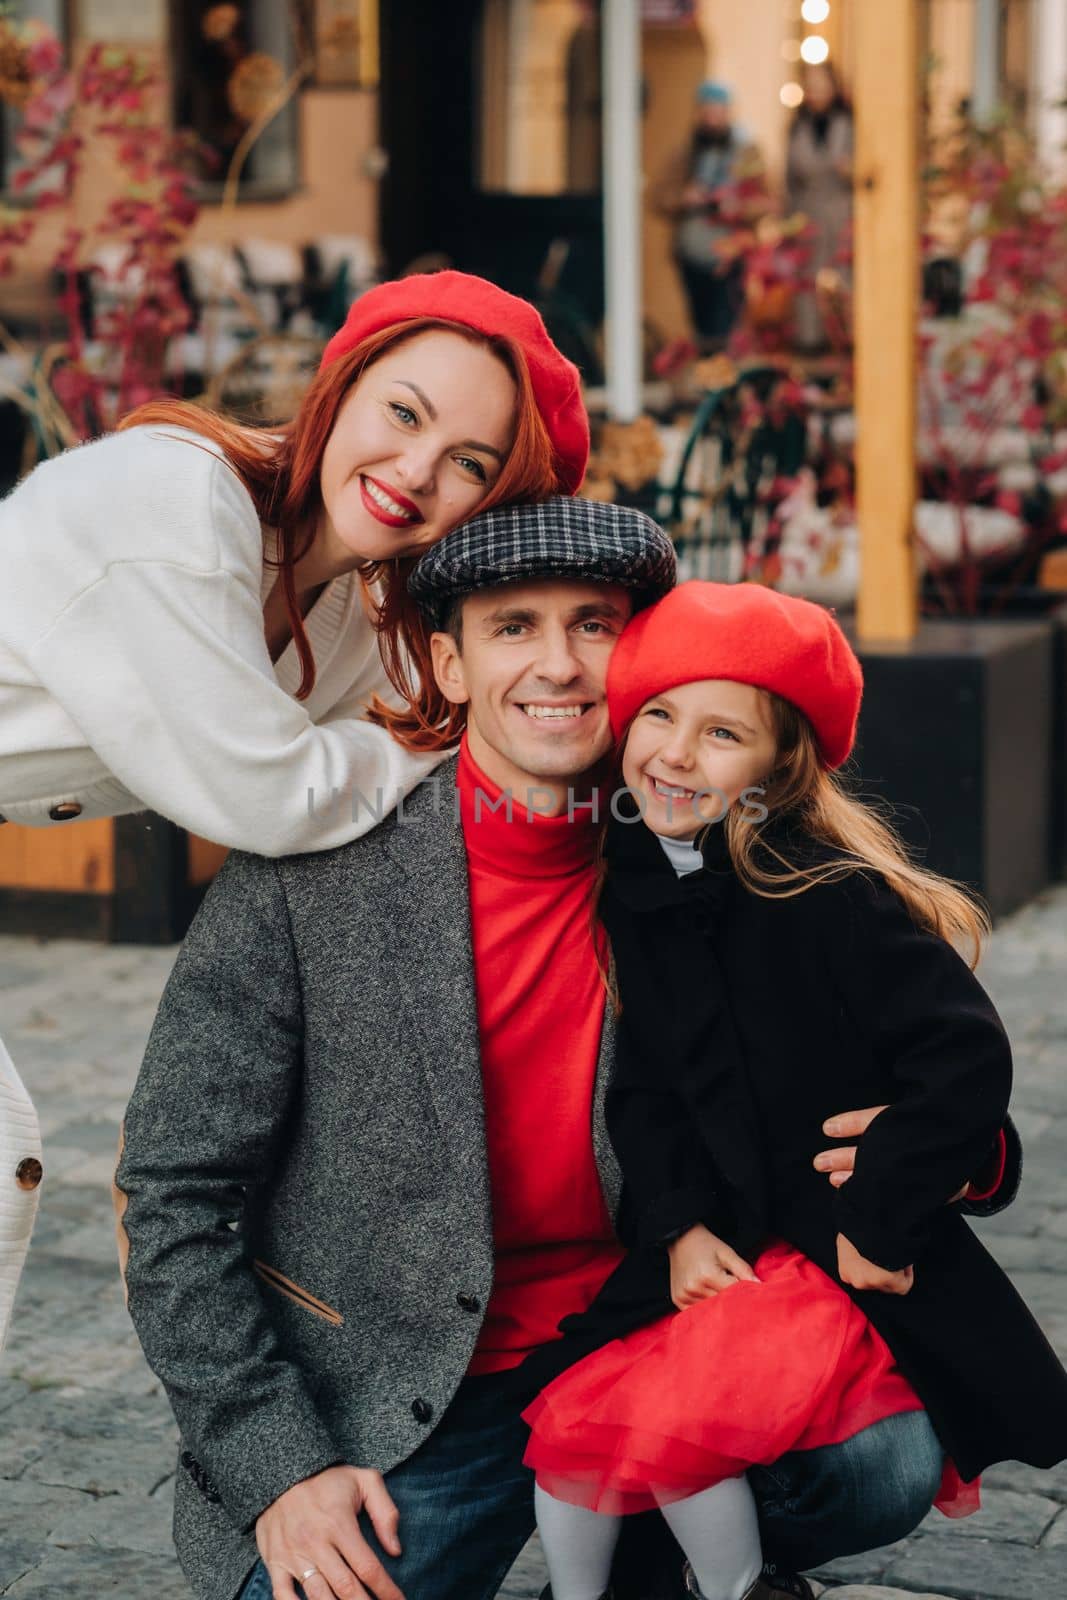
[211, 622]
[197, 615]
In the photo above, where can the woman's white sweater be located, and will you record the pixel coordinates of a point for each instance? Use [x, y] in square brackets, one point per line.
[20, 1149]
[134, 671]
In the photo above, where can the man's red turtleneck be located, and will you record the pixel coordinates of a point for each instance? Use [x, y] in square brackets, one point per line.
[540, 1012]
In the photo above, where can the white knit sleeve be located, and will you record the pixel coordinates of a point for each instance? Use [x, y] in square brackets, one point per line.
[166, 671]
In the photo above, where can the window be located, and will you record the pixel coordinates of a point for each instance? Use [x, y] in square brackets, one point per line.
[230, 62]
[53, 14]
[538, 97]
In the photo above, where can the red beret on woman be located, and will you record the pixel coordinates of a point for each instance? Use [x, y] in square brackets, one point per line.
[487, 309]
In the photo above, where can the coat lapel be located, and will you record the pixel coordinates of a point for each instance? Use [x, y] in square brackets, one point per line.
[431, 915]
[603, 1151]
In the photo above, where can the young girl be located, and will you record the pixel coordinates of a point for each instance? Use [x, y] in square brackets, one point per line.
[770, 970]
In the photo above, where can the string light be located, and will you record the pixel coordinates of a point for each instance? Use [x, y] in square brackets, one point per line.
[791, 95]
[814, 50]
[815, 11]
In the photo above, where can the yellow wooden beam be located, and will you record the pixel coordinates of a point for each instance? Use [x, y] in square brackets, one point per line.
[72, 858]
[886, 232]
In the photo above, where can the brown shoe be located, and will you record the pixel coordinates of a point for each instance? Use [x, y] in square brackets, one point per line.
[783, 1586]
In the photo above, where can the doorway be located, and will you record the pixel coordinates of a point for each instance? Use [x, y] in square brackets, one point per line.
[490, 116]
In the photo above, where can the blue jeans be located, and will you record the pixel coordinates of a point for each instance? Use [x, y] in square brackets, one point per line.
[466, 1502]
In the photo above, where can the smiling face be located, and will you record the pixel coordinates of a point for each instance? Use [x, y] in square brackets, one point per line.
[531, 670]
[419, 441]
[712, 735]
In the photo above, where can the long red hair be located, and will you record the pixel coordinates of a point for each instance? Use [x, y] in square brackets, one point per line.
[281, 471]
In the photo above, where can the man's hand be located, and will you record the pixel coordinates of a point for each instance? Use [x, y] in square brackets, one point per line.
[859, 1273]
[840, 1163]
[315, 1524]
[702, 1264]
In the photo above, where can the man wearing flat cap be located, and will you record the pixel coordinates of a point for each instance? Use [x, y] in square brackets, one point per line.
[366, 1169]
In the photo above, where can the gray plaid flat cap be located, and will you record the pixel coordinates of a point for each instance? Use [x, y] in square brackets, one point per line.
[557, 538]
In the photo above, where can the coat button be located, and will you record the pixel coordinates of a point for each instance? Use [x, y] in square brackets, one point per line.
[187, 1461]
[29, 1173]
[421, 1410]
[66, 811]
[468, 1302]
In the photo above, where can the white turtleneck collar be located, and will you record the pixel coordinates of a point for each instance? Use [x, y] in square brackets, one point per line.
[683, 854]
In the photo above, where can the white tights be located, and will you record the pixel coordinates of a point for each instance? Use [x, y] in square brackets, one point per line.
[716, 1528]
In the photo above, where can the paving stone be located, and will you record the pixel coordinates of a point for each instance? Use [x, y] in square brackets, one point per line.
[1032, 1124]
[1027, 1216]
[12, 1392]
[866, 1591]
[118, 1522]
[29, 1511]
[76, 1413]
[1039, 1252]
[95, 1241]
[869, 1567]
[92, 1136]
[17, 1557]
[95, 1169]
[1008, 1514]
[1056, 1535]
[1034, 1480]
[19, 1448]
[980, 1569]
[104, 1467]
[527, 1577]
[118, 1574]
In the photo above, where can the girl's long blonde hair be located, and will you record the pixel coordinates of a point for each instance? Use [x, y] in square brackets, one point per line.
[803, 791]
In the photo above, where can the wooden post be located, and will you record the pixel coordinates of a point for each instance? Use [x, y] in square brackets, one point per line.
[986, 59]
[886, 231]
[135, 879]
[74, 858]
[621, 73]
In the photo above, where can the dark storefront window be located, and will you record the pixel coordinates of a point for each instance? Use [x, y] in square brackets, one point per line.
[230, 64]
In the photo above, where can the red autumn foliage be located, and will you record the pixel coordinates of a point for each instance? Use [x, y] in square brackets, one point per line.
[110, 97]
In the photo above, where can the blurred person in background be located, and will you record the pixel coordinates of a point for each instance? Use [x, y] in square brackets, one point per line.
[698, 191]
[200, 618]
[819, 184]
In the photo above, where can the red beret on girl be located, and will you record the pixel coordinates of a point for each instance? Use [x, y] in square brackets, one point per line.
[747, 634]
[488, 309]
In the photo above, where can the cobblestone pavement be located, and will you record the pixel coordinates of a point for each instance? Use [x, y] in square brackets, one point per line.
[86, 1438]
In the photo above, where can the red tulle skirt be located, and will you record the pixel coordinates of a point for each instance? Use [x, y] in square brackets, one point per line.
[737, 1380]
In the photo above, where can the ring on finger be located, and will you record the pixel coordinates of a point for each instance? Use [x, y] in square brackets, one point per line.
[309, 1572]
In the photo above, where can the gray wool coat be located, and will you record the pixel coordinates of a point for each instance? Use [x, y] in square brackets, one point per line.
[305, 1172]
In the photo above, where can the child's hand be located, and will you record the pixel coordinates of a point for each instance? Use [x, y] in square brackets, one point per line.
[860, 1273]
[703, 1265]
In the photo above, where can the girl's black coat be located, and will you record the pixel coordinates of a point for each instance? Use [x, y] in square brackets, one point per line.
[745, 1023]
